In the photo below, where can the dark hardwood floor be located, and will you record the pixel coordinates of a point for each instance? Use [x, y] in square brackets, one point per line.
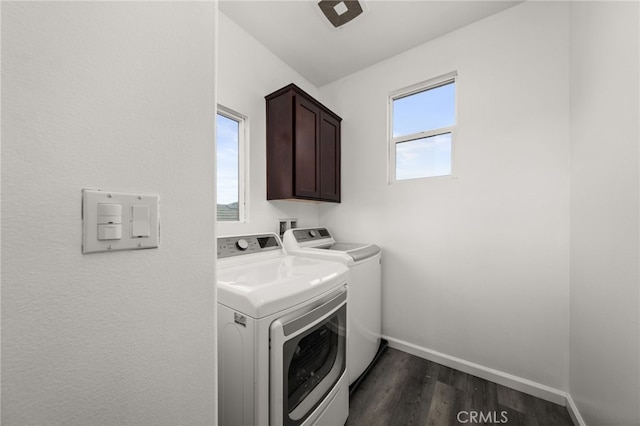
[403, 389]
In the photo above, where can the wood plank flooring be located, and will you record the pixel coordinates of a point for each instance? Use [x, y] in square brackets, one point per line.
[404, 390]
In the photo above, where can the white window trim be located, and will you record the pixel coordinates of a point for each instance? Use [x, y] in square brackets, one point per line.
[243, 161]
[432, 83]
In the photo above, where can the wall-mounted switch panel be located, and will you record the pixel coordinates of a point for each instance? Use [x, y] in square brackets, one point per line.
[114, 221]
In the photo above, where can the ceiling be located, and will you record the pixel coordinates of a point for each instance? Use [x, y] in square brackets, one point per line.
[298, 33]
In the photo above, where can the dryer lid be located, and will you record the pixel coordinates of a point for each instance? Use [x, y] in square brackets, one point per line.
[262, 288]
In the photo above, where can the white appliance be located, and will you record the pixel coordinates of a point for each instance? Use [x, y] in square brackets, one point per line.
[365, 290]
[281, 336]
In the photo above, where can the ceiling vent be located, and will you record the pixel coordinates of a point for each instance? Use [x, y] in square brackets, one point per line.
[339, 13]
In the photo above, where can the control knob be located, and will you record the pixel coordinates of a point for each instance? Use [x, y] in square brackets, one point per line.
[313, 233]
[242, 244]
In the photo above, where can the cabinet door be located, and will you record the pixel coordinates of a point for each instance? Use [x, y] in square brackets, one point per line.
[307, 134]
[329, 158]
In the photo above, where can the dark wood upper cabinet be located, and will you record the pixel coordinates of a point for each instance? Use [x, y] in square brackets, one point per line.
[303, 147]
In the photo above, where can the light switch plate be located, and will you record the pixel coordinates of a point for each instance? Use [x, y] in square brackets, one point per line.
[91, 199]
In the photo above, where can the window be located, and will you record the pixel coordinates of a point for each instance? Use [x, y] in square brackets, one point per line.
[230, 138]
[422, 121]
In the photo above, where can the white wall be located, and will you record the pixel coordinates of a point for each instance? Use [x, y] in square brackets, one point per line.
[474, 266]
[117, 96]
[247, 72]
[605, 299]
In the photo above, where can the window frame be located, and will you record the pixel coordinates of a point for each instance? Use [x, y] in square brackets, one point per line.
[423, 86]
[243, 159]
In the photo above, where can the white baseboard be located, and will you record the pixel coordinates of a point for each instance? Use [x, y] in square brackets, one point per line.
[574, 413]
[514, 382]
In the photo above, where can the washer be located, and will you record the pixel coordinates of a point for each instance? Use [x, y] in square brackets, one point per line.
[281, 336]
[364, 341]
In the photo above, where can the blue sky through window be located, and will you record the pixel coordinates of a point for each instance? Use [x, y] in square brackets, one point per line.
[418, 155]
[227, 133]
[423, 111]
[426, 157]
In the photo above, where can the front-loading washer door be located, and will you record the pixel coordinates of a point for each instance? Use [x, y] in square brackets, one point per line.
[308, 358]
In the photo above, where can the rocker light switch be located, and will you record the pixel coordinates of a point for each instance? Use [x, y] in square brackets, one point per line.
[140, 225]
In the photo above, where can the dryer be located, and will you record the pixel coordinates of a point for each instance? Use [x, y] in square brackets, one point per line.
[364, 341]
[281, 335]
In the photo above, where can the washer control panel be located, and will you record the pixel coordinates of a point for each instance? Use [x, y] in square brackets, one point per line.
[247, 244]
[310, 234]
